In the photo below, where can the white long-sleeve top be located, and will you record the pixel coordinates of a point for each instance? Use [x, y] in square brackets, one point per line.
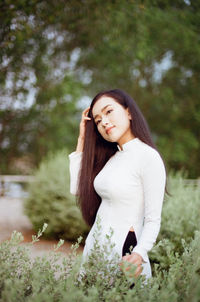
[131, 186]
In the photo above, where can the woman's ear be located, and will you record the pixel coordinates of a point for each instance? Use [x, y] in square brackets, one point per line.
[129, 115]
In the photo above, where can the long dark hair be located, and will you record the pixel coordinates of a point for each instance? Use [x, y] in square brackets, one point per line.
[97, 151]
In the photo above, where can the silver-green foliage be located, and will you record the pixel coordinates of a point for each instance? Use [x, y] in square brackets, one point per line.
[180, 219]
[57, 279]
[50, 200]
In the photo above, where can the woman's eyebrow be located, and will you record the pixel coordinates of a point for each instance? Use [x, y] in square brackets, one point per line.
[102, 110]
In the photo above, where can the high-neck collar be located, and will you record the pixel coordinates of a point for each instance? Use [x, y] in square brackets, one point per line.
[128, 145]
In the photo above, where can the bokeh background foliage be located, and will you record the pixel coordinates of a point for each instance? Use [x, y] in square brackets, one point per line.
[52, 54]
[50, 201]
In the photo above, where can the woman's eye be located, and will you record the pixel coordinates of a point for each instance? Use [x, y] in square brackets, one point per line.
[109, 111]
[97, 122]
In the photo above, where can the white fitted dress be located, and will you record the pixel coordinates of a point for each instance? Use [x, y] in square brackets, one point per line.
[131, 186]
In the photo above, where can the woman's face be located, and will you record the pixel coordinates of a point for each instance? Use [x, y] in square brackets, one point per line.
[112, 120]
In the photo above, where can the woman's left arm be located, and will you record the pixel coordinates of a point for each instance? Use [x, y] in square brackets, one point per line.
[153, 180]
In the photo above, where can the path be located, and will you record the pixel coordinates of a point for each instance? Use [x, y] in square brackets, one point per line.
[12, 218]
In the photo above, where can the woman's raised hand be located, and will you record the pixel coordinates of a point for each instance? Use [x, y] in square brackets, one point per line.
[84, 119]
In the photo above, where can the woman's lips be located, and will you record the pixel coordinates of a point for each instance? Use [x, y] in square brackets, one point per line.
[109, 129]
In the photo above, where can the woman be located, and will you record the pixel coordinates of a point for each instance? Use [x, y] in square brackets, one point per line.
[119, 177]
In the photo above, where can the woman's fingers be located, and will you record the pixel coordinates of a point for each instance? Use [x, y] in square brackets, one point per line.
[84, 119]
[85, 114]
[138, 270]
[135, 259]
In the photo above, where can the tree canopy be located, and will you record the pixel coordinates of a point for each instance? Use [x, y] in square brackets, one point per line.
[53, 53]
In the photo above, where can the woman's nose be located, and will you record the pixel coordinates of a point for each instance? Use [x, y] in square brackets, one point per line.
[105, 121]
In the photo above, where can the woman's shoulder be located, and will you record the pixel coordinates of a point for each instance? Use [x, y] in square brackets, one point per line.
[75, 155]
[148, 154]
[146, 149]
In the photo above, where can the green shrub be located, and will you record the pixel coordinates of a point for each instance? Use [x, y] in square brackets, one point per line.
[57, 279]
[50, 200]
[180, 220]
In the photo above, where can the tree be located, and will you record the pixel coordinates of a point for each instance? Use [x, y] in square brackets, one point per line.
[148, 48]
[38, 92]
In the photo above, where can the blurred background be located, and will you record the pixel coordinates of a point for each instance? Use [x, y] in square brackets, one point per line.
[55, 56]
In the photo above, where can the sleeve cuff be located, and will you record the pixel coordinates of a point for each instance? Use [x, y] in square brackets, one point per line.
[142, 253]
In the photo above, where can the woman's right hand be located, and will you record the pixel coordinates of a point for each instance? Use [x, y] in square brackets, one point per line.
[84, 119]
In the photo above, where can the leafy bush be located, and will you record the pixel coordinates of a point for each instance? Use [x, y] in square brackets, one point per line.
[54, 278]
[180, 219]
[50, 200]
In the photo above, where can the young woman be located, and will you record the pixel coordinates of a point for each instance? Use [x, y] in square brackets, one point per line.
[119, 176]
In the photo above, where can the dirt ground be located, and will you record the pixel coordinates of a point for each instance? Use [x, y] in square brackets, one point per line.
[12, 218]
